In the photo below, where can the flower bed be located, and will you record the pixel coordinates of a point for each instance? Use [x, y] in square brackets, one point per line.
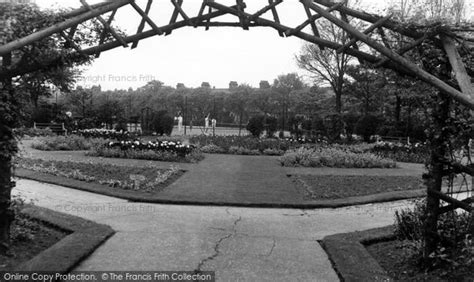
[111, 175]
[158, 151]
[65, 143]
[244, 145]
[105, 134]
[402, 258]
[333, 157]
[413, 153]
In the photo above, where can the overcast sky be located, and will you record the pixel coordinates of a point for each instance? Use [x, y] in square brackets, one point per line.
[192, 56]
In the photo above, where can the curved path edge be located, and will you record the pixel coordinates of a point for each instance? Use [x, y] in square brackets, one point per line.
[181, 199]
[350, 258]
[84, 238]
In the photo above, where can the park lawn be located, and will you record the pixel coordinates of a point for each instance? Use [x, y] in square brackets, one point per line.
[152, 179]
[30, 238]
[319, 187]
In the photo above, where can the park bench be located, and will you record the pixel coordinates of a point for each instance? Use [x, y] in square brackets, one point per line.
[403, 140]
[57, 128]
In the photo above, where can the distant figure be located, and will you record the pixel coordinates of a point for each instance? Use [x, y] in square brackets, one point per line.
[206, 122]
[214, 123]
[190, 126]
[180, 123]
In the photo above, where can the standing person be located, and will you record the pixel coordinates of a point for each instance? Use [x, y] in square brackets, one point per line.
[180, 123]
[213, 123]
[190, 126]
[206, 122]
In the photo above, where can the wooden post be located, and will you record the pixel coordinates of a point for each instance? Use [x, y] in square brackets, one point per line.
[435, 181]
[8, 144]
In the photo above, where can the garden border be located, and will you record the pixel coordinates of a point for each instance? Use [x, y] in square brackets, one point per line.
[350, 258]
[157, 199]
[85, 237]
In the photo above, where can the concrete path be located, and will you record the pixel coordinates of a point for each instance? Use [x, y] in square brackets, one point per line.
[240, 244]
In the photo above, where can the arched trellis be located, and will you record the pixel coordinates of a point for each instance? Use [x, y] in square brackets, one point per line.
[448, 40]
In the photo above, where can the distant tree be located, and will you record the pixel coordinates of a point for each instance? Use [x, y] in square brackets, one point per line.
[264, 84]
[366, 88]
[233, 84]
[283, 88]
[205, 85]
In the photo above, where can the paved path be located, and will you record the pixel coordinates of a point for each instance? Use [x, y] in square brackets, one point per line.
[240, 244]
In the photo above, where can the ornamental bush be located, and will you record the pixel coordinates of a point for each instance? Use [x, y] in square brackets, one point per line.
[159, 151]
[456, 245]
[409, 153]
[367, 126]
[256, 125]
[333, 157]
[65, 143]
[163, 123]
[222, 144]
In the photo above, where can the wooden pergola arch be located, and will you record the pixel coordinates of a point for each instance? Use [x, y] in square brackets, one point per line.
[367, 45]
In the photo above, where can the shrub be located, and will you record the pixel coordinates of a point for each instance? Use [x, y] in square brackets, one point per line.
[455, 248]
[212, 149]
[367, 126]
[24, 226]
[410, 153]
[256, 125]
[33, 132]
[159, 151]
[222, 144]
[163, 123]
[273, 152]
[65, 143]
[272, 125]
[242, 151]
[333, 157]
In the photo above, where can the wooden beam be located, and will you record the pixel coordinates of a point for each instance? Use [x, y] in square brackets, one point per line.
[226, 24]
[464, 80]
[106, 25]
[146, 18]
[448, 199]
[316, 40]
[404, 49]
[178, 7]
[71, 22]
[367, 31]
[276, 18]
[240, 8]
[175, 14]
[313, 18]
[142, 22]
[265, 9]
[420, 73]
[449, 208]
[104, 32]
[70, 42]
[392, 25]
[309, 15]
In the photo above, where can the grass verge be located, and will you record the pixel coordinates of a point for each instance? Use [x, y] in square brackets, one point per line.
[318, 187]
